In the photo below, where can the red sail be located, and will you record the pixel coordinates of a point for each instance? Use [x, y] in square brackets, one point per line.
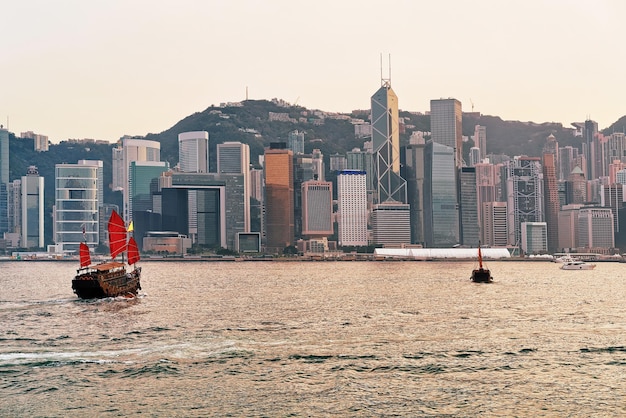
[85, 257]
[133, 251]
[117, 234]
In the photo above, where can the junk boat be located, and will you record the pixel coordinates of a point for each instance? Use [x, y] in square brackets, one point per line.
[481, 274]
[110, 278]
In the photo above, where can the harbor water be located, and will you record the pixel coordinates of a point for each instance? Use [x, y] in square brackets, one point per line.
[300, 339]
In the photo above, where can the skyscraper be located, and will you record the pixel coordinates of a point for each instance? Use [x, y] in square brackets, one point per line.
[317, 209]
[352, 208]
[4, 180]
[551, 201]
[296, 142]
[446, 126]
[595, 229]
[76, 206]
[390, 186]
[480, 140]
[279, 199]
[234, 158]
[414, 173]
[524, 194]
[468, 202]
[32, 209]
[193, 152]
[132, 149]
[441, 209]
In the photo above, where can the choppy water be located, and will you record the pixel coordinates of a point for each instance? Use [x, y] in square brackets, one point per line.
[316, 339]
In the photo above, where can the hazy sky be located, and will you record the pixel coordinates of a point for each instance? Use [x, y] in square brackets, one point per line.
[105, 68]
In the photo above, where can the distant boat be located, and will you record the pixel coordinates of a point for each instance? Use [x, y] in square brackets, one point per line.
[577, 265]
[481, 274]
[109, 279]
[564, 259]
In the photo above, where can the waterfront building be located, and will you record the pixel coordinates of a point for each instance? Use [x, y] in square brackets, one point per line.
[468, 208]
[595, 229]
[414, 173]
[568, 227]
[495, 232]
[4, 181]
[352, 211]
[76, 206]
[391, 224]
[32, 206]
[524, 194]
[441, 210]
[279, 197]
[219, 207]
[534, 237]
[551, 201]
[317, 209]
[234, 158]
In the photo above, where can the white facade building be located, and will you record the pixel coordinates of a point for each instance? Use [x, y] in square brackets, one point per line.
[352, 208]
[193, 152]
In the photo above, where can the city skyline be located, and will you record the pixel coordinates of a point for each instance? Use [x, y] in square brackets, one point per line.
[103, 71]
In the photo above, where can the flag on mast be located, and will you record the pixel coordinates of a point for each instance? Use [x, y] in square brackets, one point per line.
[130, 227]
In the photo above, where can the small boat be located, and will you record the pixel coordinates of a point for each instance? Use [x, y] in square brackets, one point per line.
[110, 278]
[577, 265]
[481, 274]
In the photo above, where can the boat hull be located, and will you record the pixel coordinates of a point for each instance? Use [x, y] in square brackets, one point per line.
[92, 284]
[578, 266]
[481, 275]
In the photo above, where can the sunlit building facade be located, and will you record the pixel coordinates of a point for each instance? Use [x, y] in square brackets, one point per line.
[279, 197]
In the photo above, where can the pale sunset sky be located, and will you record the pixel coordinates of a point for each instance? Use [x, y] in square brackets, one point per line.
[105, 68]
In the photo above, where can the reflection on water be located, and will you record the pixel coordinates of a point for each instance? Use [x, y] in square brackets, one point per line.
[316, 339]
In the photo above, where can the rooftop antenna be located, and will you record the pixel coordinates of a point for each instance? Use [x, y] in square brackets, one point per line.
[385, 81]
[246, 93]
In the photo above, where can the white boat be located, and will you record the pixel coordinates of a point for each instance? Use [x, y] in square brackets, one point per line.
[577, 265]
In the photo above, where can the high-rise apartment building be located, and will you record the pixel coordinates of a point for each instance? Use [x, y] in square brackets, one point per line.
[193, 152]
[352, 211]
[317, 209]
[32, 194]
[390, 186]
[279, 197]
